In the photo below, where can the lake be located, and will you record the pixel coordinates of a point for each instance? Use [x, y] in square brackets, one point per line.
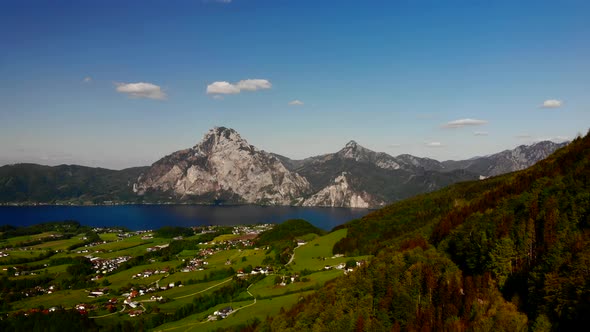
[137, 217]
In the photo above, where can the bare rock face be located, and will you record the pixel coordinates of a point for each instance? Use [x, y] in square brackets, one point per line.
[340, 194]
[352, 150]
[223, 162]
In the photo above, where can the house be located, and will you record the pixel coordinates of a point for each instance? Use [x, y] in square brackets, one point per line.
[224, 312]
[134, 313]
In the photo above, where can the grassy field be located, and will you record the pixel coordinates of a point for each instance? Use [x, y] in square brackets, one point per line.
[316, 254]
[246, 311]
[65, 298]
[225, 237]
[267, 287]
[26, 238]
[109, 237]
[57, 245]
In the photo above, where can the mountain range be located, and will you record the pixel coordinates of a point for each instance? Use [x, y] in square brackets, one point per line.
[224, 168]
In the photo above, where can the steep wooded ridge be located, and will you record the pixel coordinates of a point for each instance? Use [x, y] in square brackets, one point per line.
[225, 168]
[506, 254]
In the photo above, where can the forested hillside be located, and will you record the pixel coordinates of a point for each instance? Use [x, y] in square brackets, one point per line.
[508, 253]
[31, 183]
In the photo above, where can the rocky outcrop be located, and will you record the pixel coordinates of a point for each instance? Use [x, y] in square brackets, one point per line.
[352, 150]
[224, 163]
[340, 194]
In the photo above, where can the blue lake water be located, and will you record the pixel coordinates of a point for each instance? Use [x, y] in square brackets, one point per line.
[137, 217]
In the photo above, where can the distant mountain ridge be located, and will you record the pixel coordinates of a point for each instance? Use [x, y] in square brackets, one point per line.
[224, 168]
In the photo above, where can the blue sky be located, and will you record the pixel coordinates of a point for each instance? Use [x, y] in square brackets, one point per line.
[123, 83]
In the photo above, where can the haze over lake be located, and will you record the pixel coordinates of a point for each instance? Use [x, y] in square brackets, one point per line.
[136, 217]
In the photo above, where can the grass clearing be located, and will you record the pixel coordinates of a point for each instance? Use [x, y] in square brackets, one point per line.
[65, 298]
[225, 237]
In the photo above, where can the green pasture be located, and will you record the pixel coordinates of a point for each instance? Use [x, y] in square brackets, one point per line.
[109, 237]
[65, 298]
[225, 237]
[26, 238]
[246, 311]
[267, 287]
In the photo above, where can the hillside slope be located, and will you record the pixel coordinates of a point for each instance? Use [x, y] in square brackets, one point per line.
[473, 256]
[22, 183]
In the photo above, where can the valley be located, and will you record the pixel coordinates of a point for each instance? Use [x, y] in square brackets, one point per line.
[149, 279]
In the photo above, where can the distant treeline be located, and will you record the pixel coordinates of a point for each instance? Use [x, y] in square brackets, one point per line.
[64, 227]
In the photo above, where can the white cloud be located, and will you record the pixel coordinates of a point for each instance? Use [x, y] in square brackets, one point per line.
[464, 122]
[253, 84]
[141, 90]
[223, 87]
[480, 133]
[296, 102]
[552, 103]
[394, 145]
[434, 144]
[87, 79]
[227, 88]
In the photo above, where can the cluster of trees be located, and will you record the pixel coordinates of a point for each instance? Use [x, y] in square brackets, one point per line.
[282, 238]
[57, 321]
[168, 232]
[415, 289]
[65, 227]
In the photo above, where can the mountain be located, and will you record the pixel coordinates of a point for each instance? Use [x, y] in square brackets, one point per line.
[509, 253]
[223, 167]
[358, 177]
[22, 183]
[506, 161]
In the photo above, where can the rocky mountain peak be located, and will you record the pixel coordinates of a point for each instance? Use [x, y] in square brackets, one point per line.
[351, 145]
[222, 138]
[353, 150]
[223, 165]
